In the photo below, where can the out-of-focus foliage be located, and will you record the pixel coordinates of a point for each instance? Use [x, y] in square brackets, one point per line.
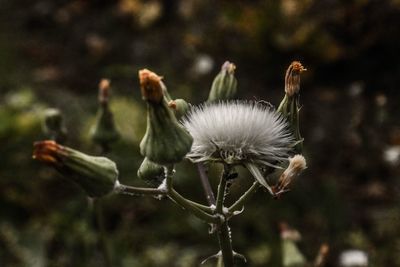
[53, 54]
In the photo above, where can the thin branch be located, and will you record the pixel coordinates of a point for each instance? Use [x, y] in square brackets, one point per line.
[240, 202]
[133, 190]
[206, 183]
[193, 209]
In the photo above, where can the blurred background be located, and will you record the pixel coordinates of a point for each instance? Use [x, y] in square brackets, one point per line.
[53, 54]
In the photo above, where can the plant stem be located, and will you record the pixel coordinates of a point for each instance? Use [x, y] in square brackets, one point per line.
[206, 184]
[103, 242]
[197, 205]
[225, 243]
[221, 190]
[132, 190]
[193, 209]
[240, 202]
[224, 236]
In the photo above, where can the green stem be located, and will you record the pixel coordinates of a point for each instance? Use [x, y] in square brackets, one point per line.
[224, 237]
[225, 244]
[197, 205]
[133, 190]
[240, 202]
[193, 209]
[221, 191]
[103, 242]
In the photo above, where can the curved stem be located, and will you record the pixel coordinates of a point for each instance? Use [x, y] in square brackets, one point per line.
[240, 202]
[193, 209]
[197, 205]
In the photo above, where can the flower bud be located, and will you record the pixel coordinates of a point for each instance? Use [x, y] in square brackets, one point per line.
[151, 172]
[165, 141]
[224, 85]
[296, 165]
[292, 78]
[290, 105]
[95, 175]
[179, 106]
[104, 132]
[291, 255]
[53, 125]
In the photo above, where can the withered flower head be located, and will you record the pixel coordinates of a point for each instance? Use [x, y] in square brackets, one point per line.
[151, 86]
[292, 78]
[296, 165]
[95, 175]
[104, 87]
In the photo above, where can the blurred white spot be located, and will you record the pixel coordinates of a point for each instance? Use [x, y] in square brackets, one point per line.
[392, 155]
[203, 64]
[353, 258]
[356, 89]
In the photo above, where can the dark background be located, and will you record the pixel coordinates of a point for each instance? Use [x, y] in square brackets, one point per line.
[53, 54]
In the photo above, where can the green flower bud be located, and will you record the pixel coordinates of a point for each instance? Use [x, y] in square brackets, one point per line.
[290, 105]
[179, 106]
[95, 175]
[104, 132]
[224, 85]
[151, 172]
[166, 141]
[53, 125]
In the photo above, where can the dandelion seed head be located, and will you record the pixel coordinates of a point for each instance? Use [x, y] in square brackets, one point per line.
[237, 132]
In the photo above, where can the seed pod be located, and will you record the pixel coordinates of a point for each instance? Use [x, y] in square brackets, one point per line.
[95, 175]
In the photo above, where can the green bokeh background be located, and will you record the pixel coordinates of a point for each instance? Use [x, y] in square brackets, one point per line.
[53, 54]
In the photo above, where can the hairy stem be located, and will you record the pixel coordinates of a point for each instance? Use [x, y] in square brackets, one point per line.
[224, 236]
[225, 243]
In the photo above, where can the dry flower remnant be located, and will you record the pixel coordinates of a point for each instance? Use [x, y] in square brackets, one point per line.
[296, 165]
[292, 78]
[104, 91]
[150, 85]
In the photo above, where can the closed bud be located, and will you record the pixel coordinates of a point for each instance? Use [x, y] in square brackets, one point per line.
[224, 85]
[179, 106]
[151, 172]
[165, 141]
[53, 125]
[104, 132]
[95, 175]
[290, 105]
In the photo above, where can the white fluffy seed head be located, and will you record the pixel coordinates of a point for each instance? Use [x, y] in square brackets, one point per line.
[237, 132]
